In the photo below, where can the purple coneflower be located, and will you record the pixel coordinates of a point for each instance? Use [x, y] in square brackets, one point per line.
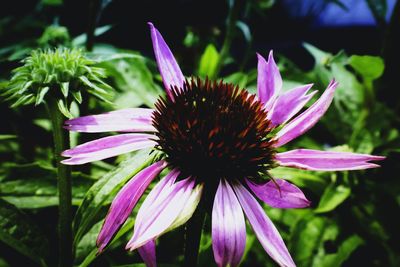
[218, 141]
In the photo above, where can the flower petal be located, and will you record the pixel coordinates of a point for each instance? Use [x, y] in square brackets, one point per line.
[317, 160]
[269, 80]
[188, 209]
[228, 227]
[288, 104]
[107, 147]
[308, 118]
[131, 119]
[280, 194]
[263, 227]
[125, 201]
[169, 69]
[156, 217]
[148, 253]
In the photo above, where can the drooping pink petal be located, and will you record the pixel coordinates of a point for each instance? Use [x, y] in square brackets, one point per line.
[228, 227]
[154, 218]
[289, 104]
[131, 119]
[317, 160]
[169, 69]
[263, 227]
[283, 195]
[107, 147]
[125, 201]
[148, 253]
[308, 118]
[269, 80]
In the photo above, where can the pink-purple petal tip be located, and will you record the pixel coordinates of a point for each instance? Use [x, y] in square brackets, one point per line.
[269, 80]
[280, 194]
[148, 253]
[169, 69]
[308, 118]
[317, 160]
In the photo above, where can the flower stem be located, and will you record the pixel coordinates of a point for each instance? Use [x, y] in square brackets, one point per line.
[94, 7]
[229, 34]
[194, 228]
[61, 143]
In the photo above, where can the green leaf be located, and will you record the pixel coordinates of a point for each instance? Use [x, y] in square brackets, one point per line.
[238, 78]
[333, 197]
[105, 189]
[132, 78]
[310, 236]
[81, 39]
[209, 62]
[344, 251]
[321, 57]
[52, 2]
[20, 233]
[4, 137]
[87, 248]
[104, 57]
[312, 180]
[369, 67]
[78, 96]
[32, 186]
[63, 109]
[65, 88]
[41, 94]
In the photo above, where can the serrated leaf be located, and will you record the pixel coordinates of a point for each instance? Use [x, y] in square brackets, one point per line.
[104, 189]
[333, 196]
[39, 97]
[20, 233]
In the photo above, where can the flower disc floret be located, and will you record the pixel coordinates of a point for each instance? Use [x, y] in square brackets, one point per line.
[212, 130]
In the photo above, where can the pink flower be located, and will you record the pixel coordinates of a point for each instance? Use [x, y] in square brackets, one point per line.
[217, 137]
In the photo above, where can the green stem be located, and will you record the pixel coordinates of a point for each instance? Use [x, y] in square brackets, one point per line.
[194, 228]
[94, 8]
[230, 33]
[61, 143]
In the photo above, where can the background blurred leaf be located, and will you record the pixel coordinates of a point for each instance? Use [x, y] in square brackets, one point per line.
[369, 67]
[333, 196]
[315, 242]
[209, 62]
[131, 78]
[19, 232]
[31, 186]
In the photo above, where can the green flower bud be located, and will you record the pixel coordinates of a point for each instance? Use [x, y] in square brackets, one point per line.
[61, 73]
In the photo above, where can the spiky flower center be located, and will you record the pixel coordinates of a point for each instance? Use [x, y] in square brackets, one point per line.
[211, 130]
